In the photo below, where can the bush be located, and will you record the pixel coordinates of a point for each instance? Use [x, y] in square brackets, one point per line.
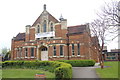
[79, 63]
[62, 70]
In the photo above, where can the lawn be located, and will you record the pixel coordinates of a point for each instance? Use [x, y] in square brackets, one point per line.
[108, 72]
[24, 73]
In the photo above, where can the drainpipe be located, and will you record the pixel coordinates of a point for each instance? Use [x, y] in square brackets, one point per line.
[68, 44]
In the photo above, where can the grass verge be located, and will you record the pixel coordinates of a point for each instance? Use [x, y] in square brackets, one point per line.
[109, 72]
[25, 73]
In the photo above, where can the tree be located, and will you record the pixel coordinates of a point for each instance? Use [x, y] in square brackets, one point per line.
[105, 26]
[5, 53]
[7, 56]
[112, 11]
[99, 29]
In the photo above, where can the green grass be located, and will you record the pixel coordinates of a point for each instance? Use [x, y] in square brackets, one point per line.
[24, 73]
[109, 72]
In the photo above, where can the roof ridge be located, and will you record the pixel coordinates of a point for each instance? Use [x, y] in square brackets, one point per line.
[78, 25]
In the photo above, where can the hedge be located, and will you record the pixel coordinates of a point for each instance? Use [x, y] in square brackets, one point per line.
[62, 70]
[79, 63]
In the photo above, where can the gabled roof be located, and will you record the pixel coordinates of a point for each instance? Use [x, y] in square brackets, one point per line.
[19, 37]
[76, 29]
[50, 17]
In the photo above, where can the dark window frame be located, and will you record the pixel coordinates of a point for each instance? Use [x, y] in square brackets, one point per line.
[51, 27]
[32, 52]
[38, 29]
[45, 26]
[54, 50]
[61, 50]
[78, 46]
[73, 51]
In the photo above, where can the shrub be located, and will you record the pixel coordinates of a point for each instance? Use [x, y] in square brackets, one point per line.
[62, 70]
[79, 63]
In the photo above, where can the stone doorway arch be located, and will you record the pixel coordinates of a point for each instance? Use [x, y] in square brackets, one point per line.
[43, 53]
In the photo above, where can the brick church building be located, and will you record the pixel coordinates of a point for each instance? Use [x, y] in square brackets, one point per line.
[51, 39]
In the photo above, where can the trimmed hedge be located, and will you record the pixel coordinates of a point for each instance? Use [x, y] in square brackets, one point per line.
[62, 70]
[79, 63]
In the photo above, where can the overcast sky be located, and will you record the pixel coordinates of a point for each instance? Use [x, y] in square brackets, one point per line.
[16, 14]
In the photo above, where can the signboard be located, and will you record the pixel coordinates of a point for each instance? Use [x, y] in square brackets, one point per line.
[45, 34]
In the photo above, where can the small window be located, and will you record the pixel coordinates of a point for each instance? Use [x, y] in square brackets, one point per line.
[51, 26]
[44, 26]
[78, 45]
[61, 50]
[44, 37]
[44, 49]
[32, 51]
[51, 37]
[38, 38]
[73, 52]
[54, 50]
[38, 29]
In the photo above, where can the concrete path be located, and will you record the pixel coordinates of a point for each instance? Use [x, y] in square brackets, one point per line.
[85, 72]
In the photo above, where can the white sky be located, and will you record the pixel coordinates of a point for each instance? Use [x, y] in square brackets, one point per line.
[16, 14]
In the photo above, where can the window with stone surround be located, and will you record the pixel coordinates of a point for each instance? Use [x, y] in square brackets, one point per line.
[78, 46]
[44, 26]
[51, 27]
[73, 52]
[54, 50]
[61, 50]
[38, 29]
[32, 52]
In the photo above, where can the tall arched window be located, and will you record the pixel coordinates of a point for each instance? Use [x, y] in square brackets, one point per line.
[51, 27]
[38, 29]
[44, 26]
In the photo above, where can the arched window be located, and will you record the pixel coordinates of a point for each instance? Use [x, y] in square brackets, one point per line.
[38, 29]
[44, 26]
[51, 27]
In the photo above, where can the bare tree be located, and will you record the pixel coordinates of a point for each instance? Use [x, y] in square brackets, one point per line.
[112, 12]
[99, 29]
[106, 26]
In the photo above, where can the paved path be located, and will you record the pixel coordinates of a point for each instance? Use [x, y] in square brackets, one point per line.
[85, 72]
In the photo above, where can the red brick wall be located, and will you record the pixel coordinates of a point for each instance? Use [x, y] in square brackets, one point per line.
[32, 34]
[82, 39]
[27, 37]
[58, 31]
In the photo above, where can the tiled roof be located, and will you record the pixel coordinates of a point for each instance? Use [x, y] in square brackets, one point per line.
[76, 29]
[20, 36]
